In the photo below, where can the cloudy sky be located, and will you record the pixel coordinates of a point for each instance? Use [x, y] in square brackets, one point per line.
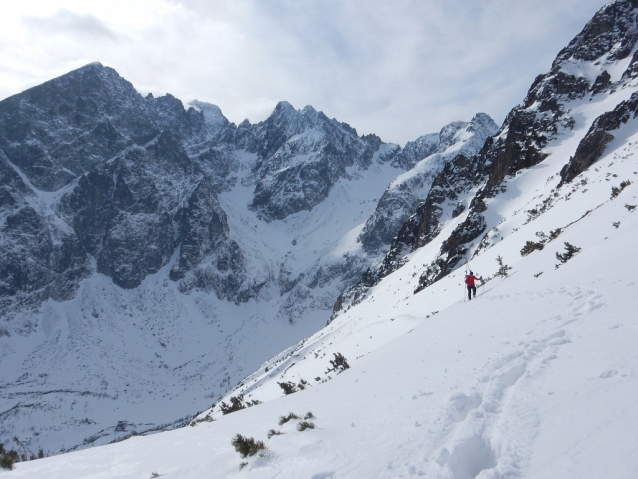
[397, 68]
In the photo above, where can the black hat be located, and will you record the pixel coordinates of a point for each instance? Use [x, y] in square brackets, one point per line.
[471, 272]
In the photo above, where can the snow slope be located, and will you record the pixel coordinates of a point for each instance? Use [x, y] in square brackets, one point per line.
[535, 378]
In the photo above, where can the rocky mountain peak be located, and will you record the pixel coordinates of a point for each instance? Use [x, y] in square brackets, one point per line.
[612, 31]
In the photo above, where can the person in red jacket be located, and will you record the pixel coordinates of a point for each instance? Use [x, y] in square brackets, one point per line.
[469, 281]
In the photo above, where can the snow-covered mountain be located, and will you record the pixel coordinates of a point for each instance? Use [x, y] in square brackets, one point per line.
[154, 255]
[533, 378]
[408, 190]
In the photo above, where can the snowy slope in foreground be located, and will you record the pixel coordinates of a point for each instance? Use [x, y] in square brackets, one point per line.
[533, 379]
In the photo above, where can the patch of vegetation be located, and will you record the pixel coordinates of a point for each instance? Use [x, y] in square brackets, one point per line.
[630, 207]
[554, 233]
[272, 433]
[615, 190]
[247, 446]
[284, 419]
[309, 415]
[303, 425]
[570, 251]
[207, 418]
[291, 388]
[616, 224]
[531, 246]
[502, 268]
[236, 404]
[339, 364]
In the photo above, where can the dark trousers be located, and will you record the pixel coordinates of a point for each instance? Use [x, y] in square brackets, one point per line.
[469, 292]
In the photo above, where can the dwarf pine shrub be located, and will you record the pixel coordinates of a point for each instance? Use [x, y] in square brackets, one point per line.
[570, 251]
[247, 446]
[288, 387]
[8, 458]
[309, 415]
[615, 190]
[272, 433]
[554, 233]
[339, 364]
[531, 246]
[502, 268]
[303, 425]
[236, 404]
[284, 419]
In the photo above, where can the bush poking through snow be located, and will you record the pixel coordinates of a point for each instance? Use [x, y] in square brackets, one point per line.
[247, 446]
[339, 364]
[630, 207]
[303, 425]
[309, 415]
[236, 404]
[288, 387]
[284, 419]
[554, 233]
[9, 458]
[207, 418]
[570, 250]
[502, 268]
[531, 246]
[615, 190]
[272, 433]
[242, 465]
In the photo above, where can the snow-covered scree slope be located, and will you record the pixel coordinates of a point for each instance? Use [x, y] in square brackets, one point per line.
[533, 378]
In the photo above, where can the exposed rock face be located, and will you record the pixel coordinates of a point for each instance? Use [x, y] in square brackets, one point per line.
[404, 194]
[285, 185]
[592, 146]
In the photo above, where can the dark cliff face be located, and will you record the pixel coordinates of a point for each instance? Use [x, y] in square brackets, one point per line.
[285, 185]
[111, 179]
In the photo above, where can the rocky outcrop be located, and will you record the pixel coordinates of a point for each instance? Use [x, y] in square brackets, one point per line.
[410, 189]
[592, 146]
[284, 184]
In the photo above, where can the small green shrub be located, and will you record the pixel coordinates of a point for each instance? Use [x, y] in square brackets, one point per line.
[236, 404]
[502, 268]
[309, 415]
[272, 433]
[247, 446]
[554, 233]
[284, 419]
[570, 251]
[339, 364]
[531, 246]
[7, 462]
[288, 387]
[303, 425]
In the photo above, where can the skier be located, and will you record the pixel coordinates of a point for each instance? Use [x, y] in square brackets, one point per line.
[469, 281]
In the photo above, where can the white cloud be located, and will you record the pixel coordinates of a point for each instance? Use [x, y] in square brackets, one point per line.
[398, 69]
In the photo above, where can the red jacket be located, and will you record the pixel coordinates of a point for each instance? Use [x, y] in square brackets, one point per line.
[469, 280]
